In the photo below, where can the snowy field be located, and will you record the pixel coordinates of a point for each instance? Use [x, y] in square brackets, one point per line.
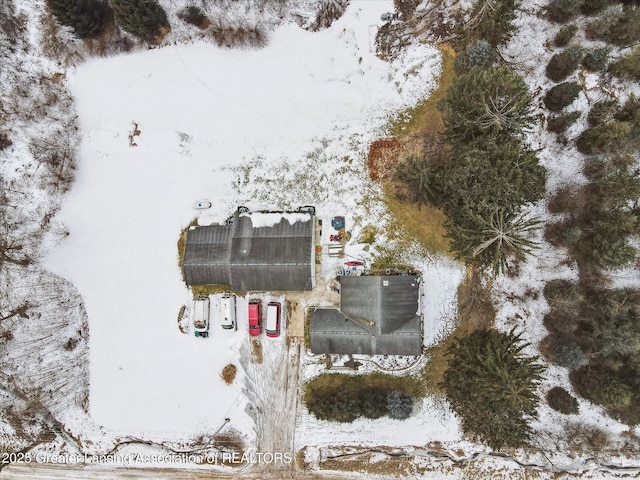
[204, 112]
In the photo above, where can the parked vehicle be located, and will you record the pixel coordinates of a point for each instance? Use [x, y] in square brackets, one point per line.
[273, 319]
[310, 209]
[337, 223]
[201, 317]
[202, 205]
[228, 312]
[255, 318]
[354, 263]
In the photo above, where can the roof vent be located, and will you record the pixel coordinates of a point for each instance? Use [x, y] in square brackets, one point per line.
[385, 283]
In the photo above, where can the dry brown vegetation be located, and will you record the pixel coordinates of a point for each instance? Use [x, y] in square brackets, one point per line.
[410, 220]
[475, 311]
[229, 373]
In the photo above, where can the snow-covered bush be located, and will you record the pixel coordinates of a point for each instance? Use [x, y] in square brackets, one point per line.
[617, 25]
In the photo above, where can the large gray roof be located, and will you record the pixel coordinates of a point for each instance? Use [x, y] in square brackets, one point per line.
[377, 316]
[275, 257]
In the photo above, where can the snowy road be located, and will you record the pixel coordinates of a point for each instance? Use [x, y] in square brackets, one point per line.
[271, 390]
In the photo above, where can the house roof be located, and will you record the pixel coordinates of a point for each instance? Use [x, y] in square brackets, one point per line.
[275, 255]
[377, 316]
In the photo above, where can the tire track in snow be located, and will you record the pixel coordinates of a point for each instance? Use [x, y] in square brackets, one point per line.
[271, 390]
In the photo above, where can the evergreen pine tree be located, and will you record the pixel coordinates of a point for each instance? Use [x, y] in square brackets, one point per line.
[86, 18]
[145, 19]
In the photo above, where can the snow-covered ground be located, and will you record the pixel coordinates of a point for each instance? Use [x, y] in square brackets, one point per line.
[206, 116]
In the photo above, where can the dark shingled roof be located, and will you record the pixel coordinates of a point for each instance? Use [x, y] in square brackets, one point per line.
[377, 316]
[277, 257]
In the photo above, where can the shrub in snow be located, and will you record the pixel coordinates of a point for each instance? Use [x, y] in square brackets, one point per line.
[480, 53]
[491, 386]
[596, 59]
[193, 15]
[562, 401]
[603, 111]
[399, 405]
[628, 66]
[561, 350]
[86, 18]
[563, 10]
[374, 404]
[560, 123]
[145, 19]
[5, 141]
[589, 7]
[616, 390]
[564, 63]
[561, 96]
[630, 111]
[604, 138]
[562, 293]
[607, 243]
[565, 35]
[617, 25]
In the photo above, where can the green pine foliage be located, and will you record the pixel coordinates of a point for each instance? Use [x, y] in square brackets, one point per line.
[492, 20]
[596, 59]
[617, 25]
[601, 27]
[87, 18]
[562, 401]
[564, 63]
[563, 10]
[486, 101]
[145, 19]
[561, 95]
[490, 238]
[478, 54]
[590, 7]
[603, 111]
[615, 388]
[491, 386]
[604, 138]
[399, 405]
[344, 398]
[627, 66]
[565, 35]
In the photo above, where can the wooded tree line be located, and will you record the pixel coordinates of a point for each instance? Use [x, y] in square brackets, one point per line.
[479, 171]
[145, 19]
[595, 329]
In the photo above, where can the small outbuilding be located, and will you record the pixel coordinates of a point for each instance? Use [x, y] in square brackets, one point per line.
[255, 251]
[378, 315]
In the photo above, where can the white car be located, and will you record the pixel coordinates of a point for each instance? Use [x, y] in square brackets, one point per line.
[201, 317]
[203, 204]
[228, 312]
